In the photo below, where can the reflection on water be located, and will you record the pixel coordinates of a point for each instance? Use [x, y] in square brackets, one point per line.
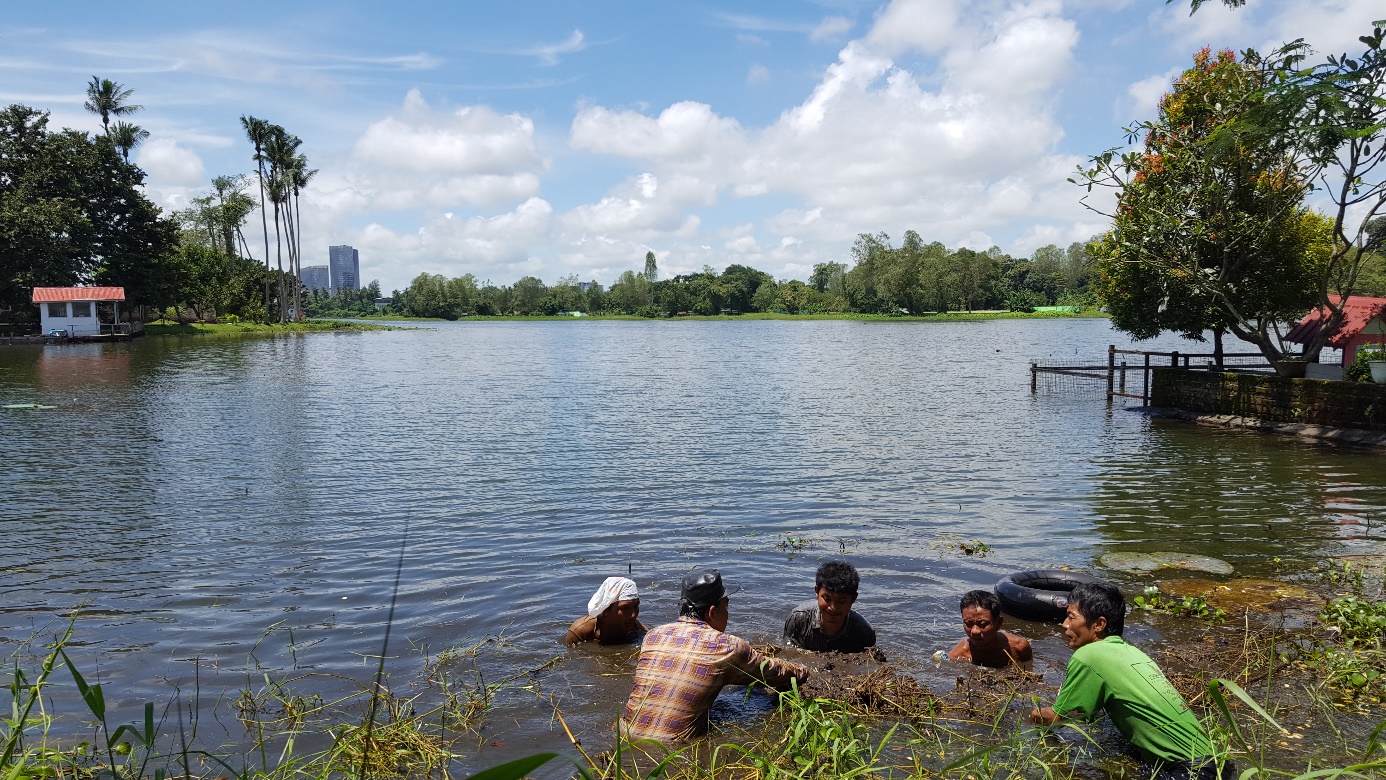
[227, 506]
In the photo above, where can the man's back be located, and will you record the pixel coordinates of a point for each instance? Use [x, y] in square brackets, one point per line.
[683, 665]
[1112, 675]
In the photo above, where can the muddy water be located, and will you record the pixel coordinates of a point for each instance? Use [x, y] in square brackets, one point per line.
[221, 508]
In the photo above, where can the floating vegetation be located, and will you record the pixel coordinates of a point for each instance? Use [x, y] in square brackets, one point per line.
[1184, 606]
[1144, 562]
[793, 544]
[969, 547]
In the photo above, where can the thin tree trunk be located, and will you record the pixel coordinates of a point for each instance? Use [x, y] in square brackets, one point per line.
[290, 233]
[264, 226]
[298, 218]
[279, 261]
[1217, 346]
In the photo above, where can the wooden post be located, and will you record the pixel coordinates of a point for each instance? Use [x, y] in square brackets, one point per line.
[1111, 369]
[1123, 377]
[1174, 359]
[1034, 376]
[1145, 382]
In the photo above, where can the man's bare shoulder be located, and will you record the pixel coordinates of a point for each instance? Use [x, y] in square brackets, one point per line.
[962, 651]
[1019, 646]
[584, 629]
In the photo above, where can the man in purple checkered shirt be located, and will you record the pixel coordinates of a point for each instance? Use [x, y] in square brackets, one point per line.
[683, 665]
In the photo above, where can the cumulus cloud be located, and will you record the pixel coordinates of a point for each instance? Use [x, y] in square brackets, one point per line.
[468, 140]
[470, 155]
[956, 148]
[169, 164]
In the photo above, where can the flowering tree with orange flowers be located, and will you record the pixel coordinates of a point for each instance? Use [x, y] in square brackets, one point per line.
[1207, 236]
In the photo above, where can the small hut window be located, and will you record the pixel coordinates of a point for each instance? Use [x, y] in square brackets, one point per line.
[57, 310]
[81, 308]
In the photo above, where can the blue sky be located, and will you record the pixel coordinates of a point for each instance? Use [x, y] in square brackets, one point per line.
[560, 138]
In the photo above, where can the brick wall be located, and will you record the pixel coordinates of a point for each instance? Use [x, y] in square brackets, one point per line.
[1360, 405]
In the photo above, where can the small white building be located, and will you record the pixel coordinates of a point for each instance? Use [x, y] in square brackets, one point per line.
[72, 310]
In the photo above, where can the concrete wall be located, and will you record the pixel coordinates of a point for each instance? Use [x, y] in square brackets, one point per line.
[1359, 405]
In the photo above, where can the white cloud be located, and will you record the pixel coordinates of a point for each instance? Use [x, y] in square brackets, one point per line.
[831, 29]
[469, 140]
[1143, 97]
[870, 148]
[549, 53]
[421, 158]
[169, 164]
[757, 74]
[923, 25]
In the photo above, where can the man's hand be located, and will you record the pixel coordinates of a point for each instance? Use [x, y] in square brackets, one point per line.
[1043, 716]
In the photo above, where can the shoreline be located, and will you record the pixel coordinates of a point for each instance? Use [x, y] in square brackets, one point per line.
[976, 316]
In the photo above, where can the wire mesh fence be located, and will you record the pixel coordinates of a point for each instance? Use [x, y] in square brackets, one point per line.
[1125, 374]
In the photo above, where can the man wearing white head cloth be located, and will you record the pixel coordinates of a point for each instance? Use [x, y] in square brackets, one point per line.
[611, 616]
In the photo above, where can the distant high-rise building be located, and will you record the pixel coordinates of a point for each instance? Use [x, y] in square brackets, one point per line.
[345, 265]
[315, 277]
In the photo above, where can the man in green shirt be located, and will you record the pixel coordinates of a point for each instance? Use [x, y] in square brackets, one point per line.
[1105, 673]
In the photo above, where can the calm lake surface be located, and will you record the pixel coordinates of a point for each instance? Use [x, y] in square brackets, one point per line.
[221, 508]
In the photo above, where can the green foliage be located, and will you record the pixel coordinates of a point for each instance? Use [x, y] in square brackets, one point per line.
[1358, 370]
[1208, 236]
[71, 211]
[1186, 606]
[1359, 622]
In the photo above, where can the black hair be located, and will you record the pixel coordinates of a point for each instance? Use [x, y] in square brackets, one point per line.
[838, 577]
[981, 598]
[1099, 599]
[698, 611]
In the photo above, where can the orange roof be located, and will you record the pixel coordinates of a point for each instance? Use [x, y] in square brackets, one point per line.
[1358, 311]
[64, 294]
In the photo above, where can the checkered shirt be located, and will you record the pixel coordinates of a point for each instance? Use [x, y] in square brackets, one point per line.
[682, 667]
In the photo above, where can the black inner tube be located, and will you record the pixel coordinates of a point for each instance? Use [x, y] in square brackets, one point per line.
[1039, 594]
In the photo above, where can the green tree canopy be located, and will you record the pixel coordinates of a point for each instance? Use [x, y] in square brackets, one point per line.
[1206, 236]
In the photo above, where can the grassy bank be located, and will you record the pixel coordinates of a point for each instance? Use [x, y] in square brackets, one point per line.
[951, 316]
[255, 328]
[1275, 716]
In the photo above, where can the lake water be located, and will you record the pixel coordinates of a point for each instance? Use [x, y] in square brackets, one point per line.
[218, 508]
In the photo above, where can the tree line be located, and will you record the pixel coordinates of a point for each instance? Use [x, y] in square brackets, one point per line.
[72, 213]
[1211, 231]
[910, 279]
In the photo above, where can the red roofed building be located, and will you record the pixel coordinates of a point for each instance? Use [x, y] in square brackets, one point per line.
[1362, 325]
[72, 310]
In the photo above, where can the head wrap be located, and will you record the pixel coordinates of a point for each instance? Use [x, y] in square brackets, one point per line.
[614, 589]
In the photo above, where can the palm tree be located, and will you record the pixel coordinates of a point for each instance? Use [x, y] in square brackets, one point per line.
[280, 150]
[299, 176]
[106, 98]
[126, 136]
[258, 132]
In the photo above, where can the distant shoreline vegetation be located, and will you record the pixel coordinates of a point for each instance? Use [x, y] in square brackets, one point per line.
[914, 279]
[942, 316]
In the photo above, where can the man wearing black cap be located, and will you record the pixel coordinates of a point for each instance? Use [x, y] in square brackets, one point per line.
[683, 665]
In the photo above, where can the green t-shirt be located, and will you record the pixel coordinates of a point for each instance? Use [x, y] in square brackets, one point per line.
[1112, 675]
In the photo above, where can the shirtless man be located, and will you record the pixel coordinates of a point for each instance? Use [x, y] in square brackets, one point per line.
[986, 644]
[612, 616]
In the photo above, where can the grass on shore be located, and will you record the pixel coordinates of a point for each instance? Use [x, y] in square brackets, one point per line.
[1281, 704]
[160, 328]
[944, 316]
